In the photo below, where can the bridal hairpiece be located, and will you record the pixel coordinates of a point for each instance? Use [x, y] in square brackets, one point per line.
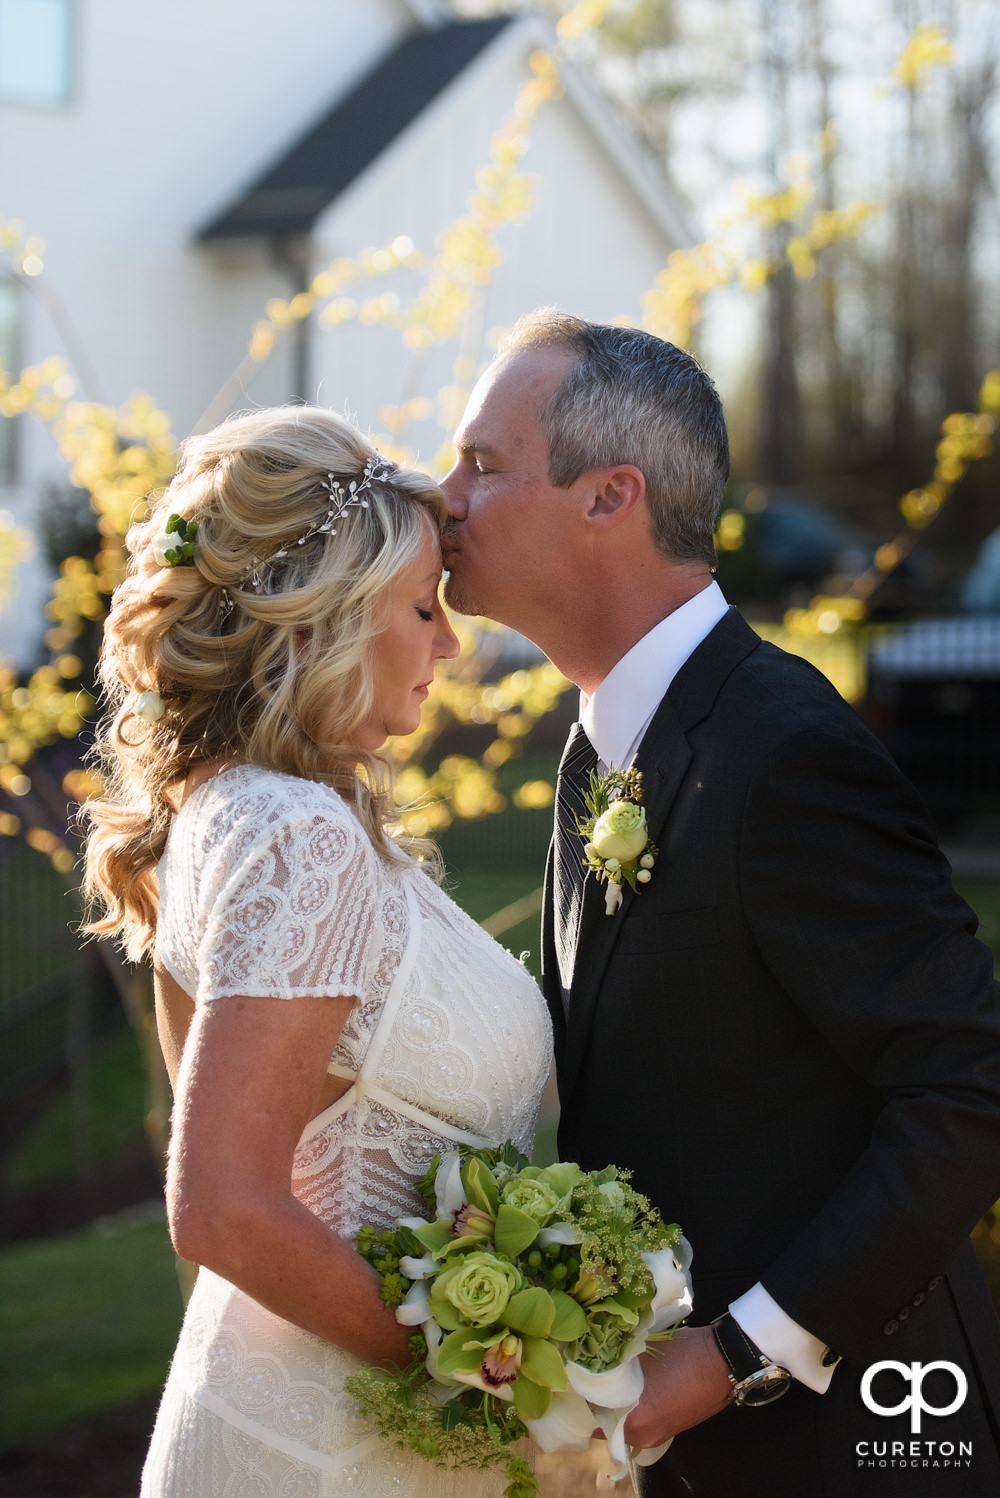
[343, 497]
[174, 547]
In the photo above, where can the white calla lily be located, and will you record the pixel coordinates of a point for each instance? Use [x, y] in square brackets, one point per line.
[418, 1269]
[559, 1232]
[615, 1388]
[673, 1300]
[434, 1336]
[637, 1342]
[683, 1252]
[614, 1431]
[439, 1393]
[416, 1307]
[647, 1455]
[448, 1186]
[567, 1425]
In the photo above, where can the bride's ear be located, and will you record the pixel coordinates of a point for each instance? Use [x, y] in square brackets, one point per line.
[616, 494]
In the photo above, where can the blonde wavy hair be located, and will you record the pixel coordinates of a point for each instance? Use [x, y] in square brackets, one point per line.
[272, 676]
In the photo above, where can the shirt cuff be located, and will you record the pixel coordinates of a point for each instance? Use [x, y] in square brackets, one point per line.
[782, 1340]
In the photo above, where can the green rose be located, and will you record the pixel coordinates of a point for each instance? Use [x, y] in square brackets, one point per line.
[612, 1327]
[621, 832]
[534, 1198]
[475, 1289]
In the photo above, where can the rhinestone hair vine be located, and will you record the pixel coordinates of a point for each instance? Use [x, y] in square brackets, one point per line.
[343, 497]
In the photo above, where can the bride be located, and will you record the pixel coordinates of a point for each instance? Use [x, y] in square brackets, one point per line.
[330, 1019]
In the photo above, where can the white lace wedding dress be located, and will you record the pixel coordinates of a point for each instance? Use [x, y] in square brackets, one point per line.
[269, 886]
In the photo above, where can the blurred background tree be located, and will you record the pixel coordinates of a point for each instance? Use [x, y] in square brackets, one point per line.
[838, 379]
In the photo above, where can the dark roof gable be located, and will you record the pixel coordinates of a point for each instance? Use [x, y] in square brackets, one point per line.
[290, 196]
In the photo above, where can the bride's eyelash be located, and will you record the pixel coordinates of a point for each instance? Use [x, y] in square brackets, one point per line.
[425, 615]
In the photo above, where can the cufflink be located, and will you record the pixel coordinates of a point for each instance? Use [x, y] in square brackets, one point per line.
[829, 1358]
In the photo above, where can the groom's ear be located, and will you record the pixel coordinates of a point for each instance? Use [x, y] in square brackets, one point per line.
[615, 494]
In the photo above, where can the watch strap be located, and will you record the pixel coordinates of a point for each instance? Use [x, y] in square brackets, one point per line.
[742, 1356]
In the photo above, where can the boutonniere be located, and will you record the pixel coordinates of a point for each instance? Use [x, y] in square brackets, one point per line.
[617, 844]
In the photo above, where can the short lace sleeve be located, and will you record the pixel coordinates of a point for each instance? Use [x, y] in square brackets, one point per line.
[286, 899]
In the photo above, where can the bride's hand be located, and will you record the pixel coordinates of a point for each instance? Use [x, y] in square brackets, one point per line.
[686, 1382]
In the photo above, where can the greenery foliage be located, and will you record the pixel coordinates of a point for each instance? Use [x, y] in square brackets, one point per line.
[87, 1322]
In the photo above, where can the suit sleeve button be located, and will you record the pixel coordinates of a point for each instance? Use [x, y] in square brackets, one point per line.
[935, 1282]
[890, 1327]
[902, 1313]
[919, 1299]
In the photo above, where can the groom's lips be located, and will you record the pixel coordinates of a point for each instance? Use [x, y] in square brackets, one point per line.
[449, 546]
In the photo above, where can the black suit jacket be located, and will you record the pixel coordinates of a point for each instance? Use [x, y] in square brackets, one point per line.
[790, 1035]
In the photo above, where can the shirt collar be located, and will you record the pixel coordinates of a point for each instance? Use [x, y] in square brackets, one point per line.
[622, 707]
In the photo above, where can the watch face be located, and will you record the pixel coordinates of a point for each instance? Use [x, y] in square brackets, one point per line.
[763, 1387]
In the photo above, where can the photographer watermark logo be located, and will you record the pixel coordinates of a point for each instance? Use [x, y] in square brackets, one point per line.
[915, 1453]
[914, 1401]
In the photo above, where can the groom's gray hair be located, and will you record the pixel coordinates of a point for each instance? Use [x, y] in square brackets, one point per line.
[633, 398]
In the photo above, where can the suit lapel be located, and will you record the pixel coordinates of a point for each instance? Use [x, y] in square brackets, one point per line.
[662, 776]
[663, 757]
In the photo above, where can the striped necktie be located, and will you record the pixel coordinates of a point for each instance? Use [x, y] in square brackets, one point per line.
[579, 758]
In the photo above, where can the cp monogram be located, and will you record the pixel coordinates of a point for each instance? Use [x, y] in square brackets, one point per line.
[914, 1373]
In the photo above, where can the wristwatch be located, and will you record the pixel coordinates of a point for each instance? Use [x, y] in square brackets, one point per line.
[754, 1378]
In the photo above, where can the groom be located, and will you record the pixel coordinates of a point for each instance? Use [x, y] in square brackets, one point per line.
[789, 1034]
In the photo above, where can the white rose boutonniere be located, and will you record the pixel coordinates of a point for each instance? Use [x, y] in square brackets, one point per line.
[617, 844]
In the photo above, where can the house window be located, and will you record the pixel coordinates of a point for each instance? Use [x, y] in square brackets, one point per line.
[35, 51]
[9, 360]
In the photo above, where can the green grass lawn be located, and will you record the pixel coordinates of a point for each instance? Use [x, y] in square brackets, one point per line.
[117, 1102]
[87, 1321]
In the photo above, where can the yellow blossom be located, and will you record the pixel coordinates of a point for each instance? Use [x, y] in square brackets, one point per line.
[927, 48]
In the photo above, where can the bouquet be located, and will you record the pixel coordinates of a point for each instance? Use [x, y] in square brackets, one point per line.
[532, 1293]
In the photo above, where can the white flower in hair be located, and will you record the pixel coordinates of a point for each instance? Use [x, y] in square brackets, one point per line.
[150, 707]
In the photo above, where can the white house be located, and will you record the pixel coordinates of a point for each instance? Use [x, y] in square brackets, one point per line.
[187, 160]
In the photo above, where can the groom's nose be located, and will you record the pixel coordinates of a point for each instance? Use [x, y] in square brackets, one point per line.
[453, 486]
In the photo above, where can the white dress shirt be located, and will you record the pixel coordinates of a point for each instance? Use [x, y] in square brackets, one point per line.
[618, 714]
[616, 718]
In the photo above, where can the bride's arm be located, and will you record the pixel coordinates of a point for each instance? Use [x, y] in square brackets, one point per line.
[251, 1077]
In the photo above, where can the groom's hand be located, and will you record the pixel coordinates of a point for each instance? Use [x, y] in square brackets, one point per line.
[686, 1381]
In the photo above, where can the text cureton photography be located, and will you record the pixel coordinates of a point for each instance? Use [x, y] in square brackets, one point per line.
[943, 1454]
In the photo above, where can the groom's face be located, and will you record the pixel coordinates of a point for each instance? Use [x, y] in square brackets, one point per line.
[509, 525]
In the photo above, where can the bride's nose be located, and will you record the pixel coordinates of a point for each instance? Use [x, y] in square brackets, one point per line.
[446, 642]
